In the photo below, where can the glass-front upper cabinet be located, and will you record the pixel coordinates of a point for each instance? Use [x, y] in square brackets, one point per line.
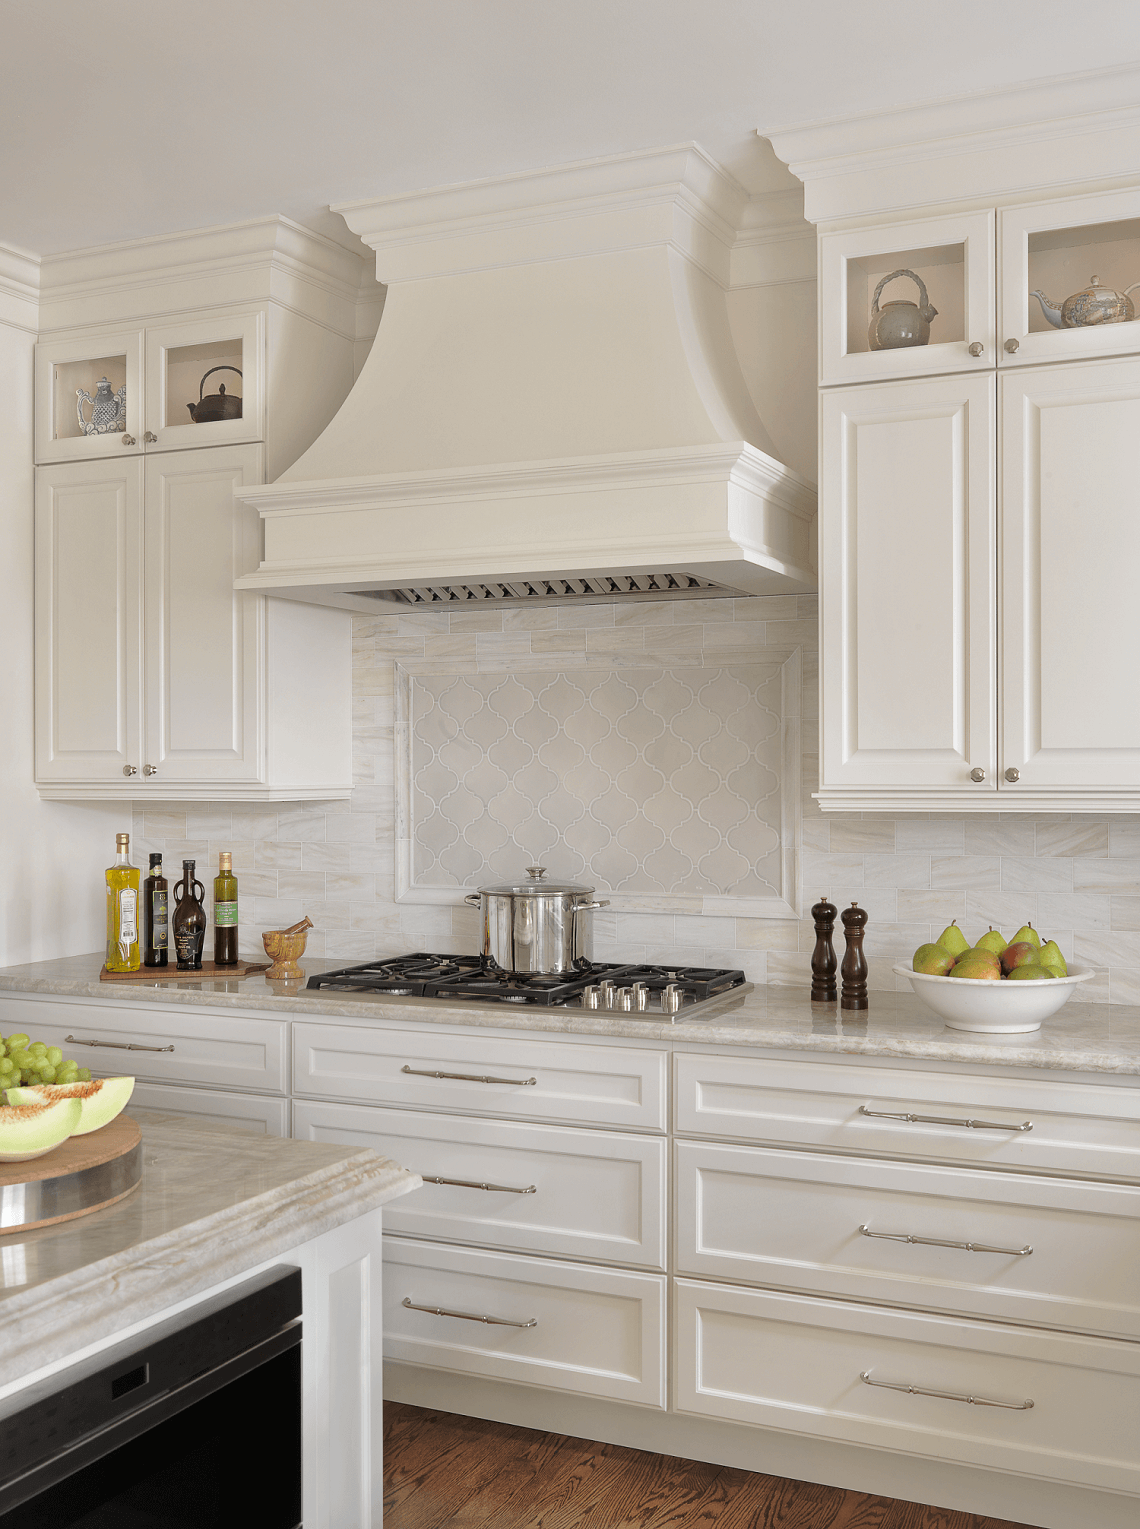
[196, 383]
[1066, 269]
[907, 299]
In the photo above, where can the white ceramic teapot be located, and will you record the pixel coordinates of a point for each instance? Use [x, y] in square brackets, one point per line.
[900, 322]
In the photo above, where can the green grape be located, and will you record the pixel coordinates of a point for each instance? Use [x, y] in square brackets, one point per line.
[37, 1048]
[6, 1066]
[3, 1049]
[47, 1073]
[85, 1075]
[18, 1042]
[54, 1055]
[21, 1060]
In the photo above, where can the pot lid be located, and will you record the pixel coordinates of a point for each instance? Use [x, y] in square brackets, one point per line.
[537, 886]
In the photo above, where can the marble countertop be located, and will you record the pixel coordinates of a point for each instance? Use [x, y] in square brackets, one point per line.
[1080, 1038]
[213, 1202]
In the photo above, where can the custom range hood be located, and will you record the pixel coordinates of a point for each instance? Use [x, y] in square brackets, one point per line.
[553, 409]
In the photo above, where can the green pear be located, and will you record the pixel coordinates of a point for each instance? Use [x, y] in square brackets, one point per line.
[1052, 958]
[992, 940]
[953, 940]
[932, 961]
[1027, 935]
[1030, 973]
[981, 965]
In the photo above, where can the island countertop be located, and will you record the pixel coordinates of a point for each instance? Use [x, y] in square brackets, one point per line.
[1081, 1038]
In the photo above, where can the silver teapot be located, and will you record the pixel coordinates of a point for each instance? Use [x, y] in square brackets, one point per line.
[900, 322]
[1095, 304]
[108, 410]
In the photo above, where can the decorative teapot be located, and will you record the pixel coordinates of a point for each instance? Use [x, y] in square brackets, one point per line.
[219, 405]
[108, 410]
[1094, 305]
[900, 322]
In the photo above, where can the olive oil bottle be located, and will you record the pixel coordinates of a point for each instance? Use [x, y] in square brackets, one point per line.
[188, 926]
[155, 916]
[225, 912]
[123, 952]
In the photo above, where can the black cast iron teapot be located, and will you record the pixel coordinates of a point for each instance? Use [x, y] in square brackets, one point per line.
[219, 405]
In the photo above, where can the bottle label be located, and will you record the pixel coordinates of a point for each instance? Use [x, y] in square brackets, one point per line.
[186, 947]
[225, 913]
[128, 916]
[159, 921]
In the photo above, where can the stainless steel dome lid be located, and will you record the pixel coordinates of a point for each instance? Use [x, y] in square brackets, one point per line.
[537, 886]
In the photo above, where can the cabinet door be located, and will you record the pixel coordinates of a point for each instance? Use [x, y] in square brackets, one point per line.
[80, 382]
[88, 620]
[210, 356]
[908, 594]
[1070, 551]
[203, 640]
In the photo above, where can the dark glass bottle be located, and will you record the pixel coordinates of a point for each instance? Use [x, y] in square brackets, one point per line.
[188, 926]
[155, 915]
[225, 913]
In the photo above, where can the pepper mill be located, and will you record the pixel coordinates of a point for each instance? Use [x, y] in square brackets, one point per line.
[823, 962]
[854, 969]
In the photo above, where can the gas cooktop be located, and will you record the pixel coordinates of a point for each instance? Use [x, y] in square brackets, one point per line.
[648, 992]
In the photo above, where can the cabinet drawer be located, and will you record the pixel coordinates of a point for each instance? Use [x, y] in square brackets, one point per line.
[520, 1078]
[596, 1331]
[1073, 1127]
[793, 1219]
[793, 1362]
[260, 1113]
[595, 1194]
[190, 1045]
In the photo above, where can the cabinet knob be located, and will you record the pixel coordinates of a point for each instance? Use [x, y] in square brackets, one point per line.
[978, 774]
[130, 770]
[1012, 345]
[977, 348]
[150, 769]
[129, 440]
[149, 438]
[1013, 774]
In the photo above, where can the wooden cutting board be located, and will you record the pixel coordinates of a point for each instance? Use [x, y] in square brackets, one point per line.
[209, 973]
[81, 1175]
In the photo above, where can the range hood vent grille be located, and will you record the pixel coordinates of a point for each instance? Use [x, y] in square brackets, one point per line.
[605, 588]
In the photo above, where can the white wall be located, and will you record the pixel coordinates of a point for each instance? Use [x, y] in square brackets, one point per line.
[52, 854]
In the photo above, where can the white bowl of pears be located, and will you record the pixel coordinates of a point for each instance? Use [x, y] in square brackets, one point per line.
[998, 986]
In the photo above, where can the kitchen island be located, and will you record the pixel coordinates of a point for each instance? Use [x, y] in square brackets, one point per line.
[214, 1206]
[776, 1235]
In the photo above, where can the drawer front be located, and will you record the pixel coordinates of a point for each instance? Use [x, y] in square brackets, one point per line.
[585, 1194]
[600, 1332]
[793, 1362]
[1073, 1127]
[794, 1219]
[179, 1045]
[528, 1079]
[260, 1113]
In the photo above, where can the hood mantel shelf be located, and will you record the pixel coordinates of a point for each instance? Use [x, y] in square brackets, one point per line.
[553, 392]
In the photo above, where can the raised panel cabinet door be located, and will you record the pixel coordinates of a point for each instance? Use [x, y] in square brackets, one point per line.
[908, 548]
[1070, 554]
[88, 577]
[204, 641]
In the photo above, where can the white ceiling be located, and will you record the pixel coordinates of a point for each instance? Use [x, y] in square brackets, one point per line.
[147, 116]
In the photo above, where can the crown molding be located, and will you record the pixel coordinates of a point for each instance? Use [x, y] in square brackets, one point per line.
[19, 288]
[1023, 140]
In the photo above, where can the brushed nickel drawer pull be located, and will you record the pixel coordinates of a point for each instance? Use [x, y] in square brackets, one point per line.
[947, 1120]
[465, 1077]
[943, 1242]
[505, 1189]
[472, 1316]
[70, 1040]
[946, 1396]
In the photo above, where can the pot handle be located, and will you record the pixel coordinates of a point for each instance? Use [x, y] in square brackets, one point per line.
[473, 900]
[213, 369]
[923, 300]
[588, 907]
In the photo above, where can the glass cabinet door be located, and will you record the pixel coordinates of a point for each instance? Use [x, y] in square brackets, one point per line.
[907, 299]
[89, 396]
[205, 381]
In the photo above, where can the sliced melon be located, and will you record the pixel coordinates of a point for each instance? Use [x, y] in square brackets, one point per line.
[32, 1129]
[100, 1100]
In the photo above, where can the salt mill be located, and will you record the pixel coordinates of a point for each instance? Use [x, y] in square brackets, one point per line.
[823, 962]
[854, 969]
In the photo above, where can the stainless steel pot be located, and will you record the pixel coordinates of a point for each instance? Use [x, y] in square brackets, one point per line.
[536, 927]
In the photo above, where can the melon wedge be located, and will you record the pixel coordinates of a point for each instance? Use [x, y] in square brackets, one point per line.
[37, 1127]
[100, 1100]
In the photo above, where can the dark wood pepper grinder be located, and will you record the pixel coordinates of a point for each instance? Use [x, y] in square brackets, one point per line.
[823, 962]
[854, 969]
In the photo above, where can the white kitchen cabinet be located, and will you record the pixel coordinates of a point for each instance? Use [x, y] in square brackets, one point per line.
[153, 675]
[249, 1112]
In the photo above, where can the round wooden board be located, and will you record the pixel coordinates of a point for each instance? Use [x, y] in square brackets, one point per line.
[81, 1175]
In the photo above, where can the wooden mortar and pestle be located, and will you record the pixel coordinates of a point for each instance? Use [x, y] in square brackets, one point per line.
[285, 947]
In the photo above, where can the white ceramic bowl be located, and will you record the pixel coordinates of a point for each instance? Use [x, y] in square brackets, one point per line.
[996, 1008]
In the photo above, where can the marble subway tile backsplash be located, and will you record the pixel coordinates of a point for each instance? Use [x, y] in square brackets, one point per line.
[1075, 877]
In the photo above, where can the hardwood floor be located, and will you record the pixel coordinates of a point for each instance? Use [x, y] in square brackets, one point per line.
[445, 1470]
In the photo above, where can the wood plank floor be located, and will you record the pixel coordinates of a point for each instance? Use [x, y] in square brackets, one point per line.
[445, 1470]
